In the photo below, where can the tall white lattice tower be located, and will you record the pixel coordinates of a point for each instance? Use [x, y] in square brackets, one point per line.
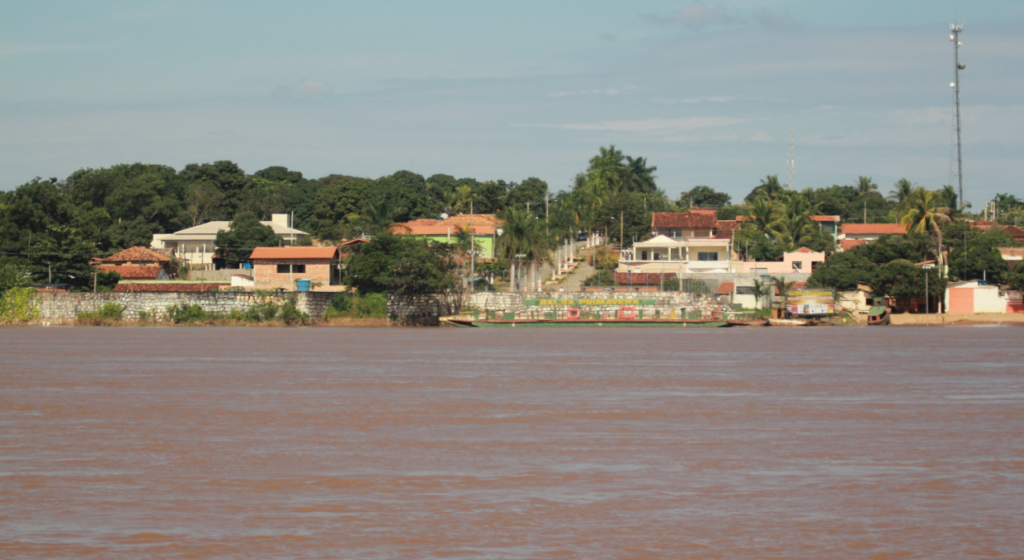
[954, 35]
[790, 162]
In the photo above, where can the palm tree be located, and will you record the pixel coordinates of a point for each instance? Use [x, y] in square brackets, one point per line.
[794, 231]
[902, 191]
[764, 214]
[761, 289]
[639, 177]
[523, 234]
[461, 198]
[783, 288]
[948, 201]
[924, 215]
[769, 188]
[378, 216]
[865, 186]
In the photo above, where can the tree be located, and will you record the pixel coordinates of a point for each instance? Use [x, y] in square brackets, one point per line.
[62, 256]
[226, 177]
[405, 266]
[245, 234]
[1015, 278]
[902, 191]
[865, 186]
[923, 215]
[782, 287]
[703, 196]
[761, 290]
[769, 188]
[530, 192]
[843, 271]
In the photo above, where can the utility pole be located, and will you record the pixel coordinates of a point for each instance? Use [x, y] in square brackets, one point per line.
[955, 29]
[865, 211]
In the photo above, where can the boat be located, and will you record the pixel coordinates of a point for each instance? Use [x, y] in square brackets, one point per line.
[739, 323]
[879, 315]
[791, 323]
[649, 323]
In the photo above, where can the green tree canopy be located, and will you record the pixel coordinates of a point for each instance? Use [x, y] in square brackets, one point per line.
[245, 234]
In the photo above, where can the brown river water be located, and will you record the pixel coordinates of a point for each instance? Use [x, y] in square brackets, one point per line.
[499, 443]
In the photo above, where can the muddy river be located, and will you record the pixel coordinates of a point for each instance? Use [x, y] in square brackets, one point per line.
[879, 443]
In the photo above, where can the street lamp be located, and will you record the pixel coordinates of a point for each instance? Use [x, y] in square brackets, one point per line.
[473, 254]
[927, 296]
[519, 272]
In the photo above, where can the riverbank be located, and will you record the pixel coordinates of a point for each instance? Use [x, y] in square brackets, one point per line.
[958, 319]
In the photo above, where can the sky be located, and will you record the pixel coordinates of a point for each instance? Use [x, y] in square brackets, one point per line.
[706, 91]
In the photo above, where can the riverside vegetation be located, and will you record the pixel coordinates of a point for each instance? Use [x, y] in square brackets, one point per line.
[50, 229]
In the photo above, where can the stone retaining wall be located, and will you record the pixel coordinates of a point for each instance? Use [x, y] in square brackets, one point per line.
[525, 304]
[65, 307]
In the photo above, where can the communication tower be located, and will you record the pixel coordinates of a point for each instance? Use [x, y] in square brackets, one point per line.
[790, 162]
[954, 35]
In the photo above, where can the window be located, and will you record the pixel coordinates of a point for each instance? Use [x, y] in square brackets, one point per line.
[643, 255]
[798, 265]
[294, 268]
[814, 266]
[701, 256]
[744, 290]
[657, 256]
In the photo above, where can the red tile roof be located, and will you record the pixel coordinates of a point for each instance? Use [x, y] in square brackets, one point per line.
[288, 253]
[725, 288]
[355, 241]
[804, 250]
[416, 229]
[642, 278]
[848, 244]
[146, 272]
[168, 286]
[137, 255]
[874, 229]
[699, 219]
[726, 229]
[825, 218]
[1016, 232]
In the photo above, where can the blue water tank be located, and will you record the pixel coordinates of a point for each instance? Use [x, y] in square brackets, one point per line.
[302, 284]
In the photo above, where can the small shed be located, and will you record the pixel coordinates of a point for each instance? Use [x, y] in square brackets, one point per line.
[282, 266]
[975, 296]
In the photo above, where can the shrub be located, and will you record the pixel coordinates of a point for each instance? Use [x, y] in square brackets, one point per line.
[291, 315]
[184, 313]
[107, 314]
[371, 305]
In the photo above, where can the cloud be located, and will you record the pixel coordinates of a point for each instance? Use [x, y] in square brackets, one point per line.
[696, 16]
[717, 99]
[648, 125]
[305, 88]
[609, 91]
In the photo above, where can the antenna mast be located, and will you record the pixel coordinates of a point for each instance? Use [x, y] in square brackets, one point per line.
[955, 29]
[790, 162]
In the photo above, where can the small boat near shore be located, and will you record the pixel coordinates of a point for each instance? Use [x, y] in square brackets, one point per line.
[791, 323]
[469, 321]
[739, 323]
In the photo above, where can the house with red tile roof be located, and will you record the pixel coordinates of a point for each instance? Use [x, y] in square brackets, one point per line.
[871, 232]
[485, 229]
[280, 267]
[137, 263]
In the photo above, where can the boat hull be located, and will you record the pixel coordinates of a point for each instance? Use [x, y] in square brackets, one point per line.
[598, 323]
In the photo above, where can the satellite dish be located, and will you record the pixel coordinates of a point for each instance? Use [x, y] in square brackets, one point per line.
[952, 84]
[961, 65]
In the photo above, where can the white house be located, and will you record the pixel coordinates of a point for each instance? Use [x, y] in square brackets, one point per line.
[195, 245]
